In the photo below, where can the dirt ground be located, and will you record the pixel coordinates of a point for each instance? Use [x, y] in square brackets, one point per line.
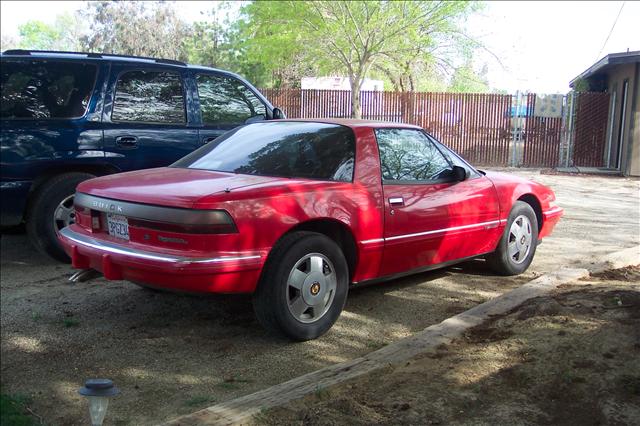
[174, 354]
[570, 358]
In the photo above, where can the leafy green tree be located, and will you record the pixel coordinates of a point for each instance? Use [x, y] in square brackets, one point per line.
[209, 41]
[582, 85]
[38, 35]
[269, 50]
[63, 34]
[222, 40]
[350, 37]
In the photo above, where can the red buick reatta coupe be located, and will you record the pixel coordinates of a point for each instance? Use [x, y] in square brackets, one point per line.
[295, 211]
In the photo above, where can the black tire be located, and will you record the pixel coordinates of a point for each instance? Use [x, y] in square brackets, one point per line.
[500, 260]
[270, 300]
[41, 227]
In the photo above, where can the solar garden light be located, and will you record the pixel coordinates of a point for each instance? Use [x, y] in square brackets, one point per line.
[98, 391]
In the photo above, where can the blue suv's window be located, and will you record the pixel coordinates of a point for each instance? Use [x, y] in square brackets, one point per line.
[225, 100]
[149, 97]
[45, 89]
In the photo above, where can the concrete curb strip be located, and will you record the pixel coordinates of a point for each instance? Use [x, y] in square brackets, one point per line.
[240, 410]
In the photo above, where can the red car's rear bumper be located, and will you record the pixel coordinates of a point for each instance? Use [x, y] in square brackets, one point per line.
[223, 272]
[549, 220]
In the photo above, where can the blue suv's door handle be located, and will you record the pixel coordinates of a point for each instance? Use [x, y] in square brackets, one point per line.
[128, 142]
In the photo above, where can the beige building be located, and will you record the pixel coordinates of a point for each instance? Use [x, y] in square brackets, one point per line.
[619, 75]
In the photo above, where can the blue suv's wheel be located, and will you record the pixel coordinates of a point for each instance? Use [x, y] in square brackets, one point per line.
[50, 210]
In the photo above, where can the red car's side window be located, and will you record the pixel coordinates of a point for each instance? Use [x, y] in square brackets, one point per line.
[407, 155]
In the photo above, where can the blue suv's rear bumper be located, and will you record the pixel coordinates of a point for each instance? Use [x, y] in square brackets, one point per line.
[13, 199]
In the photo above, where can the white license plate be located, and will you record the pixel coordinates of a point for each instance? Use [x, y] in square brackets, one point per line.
[118, 226]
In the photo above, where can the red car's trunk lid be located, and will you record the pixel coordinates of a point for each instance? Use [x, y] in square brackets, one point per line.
[167, 186]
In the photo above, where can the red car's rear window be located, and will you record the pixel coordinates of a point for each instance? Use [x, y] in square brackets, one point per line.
[283, 149]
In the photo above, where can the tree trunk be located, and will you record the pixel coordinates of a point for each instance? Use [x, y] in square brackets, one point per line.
[355, 97]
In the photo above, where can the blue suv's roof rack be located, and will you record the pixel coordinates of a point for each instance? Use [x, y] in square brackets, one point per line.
[92, 55]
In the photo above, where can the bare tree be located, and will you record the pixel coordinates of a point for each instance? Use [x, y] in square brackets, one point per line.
[136, 28]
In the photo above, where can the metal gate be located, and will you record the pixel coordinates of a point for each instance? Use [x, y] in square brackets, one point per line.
[590, 129]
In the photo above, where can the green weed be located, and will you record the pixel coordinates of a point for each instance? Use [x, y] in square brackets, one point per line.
[13, 411]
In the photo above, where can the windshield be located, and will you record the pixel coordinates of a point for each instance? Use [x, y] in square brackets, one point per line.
[283, 149]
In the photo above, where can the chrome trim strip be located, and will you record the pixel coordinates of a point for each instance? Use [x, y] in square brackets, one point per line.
[140, 254]
[373, 241]
[489, 224]
[437, 231]
[555, 210]
[150, 212]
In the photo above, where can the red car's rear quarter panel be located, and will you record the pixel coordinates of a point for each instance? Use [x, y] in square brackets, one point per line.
[265, 212]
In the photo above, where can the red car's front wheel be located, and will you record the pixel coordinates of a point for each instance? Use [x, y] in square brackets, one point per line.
[303, 287]
[518, 242]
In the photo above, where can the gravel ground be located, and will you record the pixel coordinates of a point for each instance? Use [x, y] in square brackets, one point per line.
[173, 354]
[602, 215]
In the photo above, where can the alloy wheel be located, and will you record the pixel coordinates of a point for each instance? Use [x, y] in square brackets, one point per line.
[311, 287]
[64, 214]
[520, 239]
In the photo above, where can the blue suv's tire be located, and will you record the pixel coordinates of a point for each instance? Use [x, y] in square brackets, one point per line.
[42, 226]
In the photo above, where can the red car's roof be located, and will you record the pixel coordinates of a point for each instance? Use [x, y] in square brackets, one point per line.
[350, 122]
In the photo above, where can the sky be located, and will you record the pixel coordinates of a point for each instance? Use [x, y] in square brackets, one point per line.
[540, 46]
[544, 45]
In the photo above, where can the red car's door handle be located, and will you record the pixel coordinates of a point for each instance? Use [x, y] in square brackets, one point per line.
[396, 201]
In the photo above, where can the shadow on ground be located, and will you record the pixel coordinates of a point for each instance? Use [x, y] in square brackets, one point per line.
[571, 358]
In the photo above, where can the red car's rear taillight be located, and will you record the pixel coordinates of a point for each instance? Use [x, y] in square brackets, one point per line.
[88, 219]
[223, 227]
[95, 213]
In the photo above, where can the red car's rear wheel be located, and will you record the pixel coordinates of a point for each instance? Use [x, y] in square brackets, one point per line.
[303, 287]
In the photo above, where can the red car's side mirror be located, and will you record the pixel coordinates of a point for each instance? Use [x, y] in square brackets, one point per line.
[278, 114]
[459, 173]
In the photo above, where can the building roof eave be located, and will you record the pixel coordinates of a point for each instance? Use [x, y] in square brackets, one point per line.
[608, 60]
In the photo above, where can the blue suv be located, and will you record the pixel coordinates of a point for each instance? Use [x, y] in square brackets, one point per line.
[66, 117]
